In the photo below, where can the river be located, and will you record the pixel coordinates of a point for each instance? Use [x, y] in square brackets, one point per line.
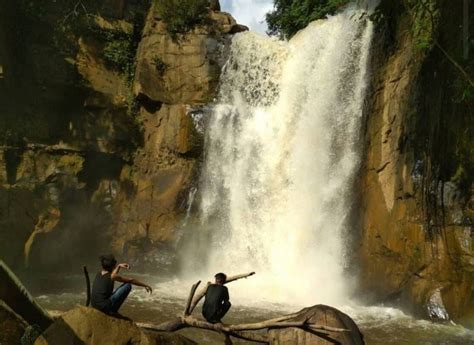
[380, 325]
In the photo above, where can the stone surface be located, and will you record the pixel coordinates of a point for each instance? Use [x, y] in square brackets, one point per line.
[184, 70]
[89, 326]
[321, 315]
[86, 165]
[416, 230]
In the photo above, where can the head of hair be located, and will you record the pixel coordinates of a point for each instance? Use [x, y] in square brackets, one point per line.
[108, 262]
[220, 277]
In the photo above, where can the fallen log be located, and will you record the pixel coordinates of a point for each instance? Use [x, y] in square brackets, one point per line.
[316, 325]
[17, 297]
[88, 286]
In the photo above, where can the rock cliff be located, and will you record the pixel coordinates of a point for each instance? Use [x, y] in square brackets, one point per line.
[99, 140]
[417, 207]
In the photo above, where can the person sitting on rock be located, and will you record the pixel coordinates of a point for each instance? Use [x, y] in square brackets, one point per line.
[216, 302]
[103, 296]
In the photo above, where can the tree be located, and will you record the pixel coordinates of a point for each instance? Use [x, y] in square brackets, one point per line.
[290, 16]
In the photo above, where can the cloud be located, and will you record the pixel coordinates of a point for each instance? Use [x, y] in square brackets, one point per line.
[249, 12]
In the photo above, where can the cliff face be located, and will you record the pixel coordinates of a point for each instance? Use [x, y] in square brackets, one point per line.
[98, 142]
[417, 205]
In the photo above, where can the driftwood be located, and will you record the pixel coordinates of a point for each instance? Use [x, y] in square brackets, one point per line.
[243, 331]
[17, 297]
[195, 299]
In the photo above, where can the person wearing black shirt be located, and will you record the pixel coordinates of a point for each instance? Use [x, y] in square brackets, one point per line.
[103, 296]
[216, 302]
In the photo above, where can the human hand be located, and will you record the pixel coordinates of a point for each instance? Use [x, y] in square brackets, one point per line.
[148, 289]
[124, 265]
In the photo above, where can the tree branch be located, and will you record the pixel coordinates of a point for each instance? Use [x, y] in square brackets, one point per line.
[242, 331]
[190, 298]
[202, 292]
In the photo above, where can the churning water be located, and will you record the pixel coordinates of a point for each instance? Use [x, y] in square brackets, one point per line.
[282, 148]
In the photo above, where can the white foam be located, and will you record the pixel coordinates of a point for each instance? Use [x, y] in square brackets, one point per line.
[282, 148]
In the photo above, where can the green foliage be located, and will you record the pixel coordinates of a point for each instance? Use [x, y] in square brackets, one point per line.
[290, 16]
[119, 52]
[182, 16]
[425, 17]
[463, 91]
[160, 65]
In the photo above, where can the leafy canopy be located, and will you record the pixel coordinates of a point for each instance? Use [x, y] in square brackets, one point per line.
[290, 16]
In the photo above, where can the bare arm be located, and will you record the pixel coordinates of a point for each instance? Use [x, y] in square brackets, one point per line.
[116, 277]
[117, 268]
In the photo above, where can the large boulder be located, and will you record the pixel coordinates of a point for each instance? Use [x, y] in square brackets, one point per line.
[321, 315]
[186, 70]
[83, 325]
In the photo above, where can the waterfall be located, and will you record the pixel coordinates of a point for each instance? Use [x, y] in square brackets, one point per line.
[281, 153]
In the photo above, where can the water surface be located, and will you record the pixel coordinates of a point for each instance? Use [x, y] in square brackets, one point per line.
[380, 325]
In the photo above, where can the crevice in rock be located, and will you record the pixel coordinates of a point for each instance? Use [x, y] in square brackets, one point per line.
[379, 170]
[149, 104]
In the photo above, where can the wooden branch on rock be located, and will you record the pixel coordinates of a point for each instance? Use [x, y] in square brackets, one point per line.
[193, 322]
[202, 292]
[18, 298]
[242, 331]
[190, 298]
[239, 330]
[88, 286]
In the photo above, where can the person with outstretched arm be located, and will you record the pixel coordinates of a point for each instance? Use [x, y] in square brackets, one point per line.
[216, 302]
[103, 296]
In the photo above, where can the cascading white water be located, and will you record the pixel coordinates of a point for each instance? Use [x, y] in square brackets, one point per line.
[282, 149]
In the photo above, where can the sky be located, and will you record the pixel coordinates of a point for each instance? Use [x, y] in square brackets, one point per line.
[249, 12]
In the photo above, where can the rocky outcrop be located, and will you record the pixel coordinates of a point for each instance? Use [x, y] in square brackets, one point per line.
[99, 143]
[174, 79]
[321, 315]
[417, 223]
[89, 326]
[66, 132]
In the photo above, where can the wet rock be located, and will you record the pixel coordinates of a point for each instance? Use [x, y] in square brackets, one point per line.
[238, 28]
[321, 315]
[435, 307]
[100, 156]
[83, 325]
[416, 228]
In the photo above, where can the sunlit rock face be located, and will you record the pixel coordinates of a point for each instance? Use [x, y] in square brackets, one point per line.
[416, 245]
[98, 148]
[65, 132]
[175, 77]
[83, 325]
